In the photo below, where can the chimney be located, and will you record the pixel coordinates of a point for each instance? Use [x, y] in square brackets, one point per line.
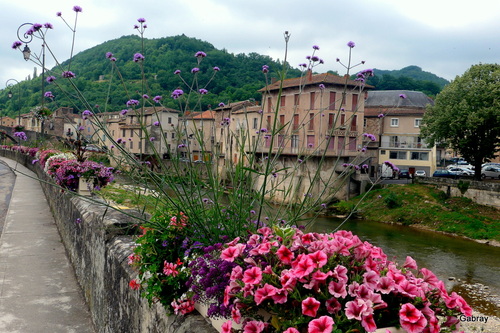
[309, 75]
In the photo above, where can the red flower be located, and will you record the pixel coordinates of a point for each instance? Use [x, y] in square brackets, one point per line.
[319, 258]
[226, 327]
[254, 326]
[310, 307]
[412, 319]
[323, 324]
[302, 266]
[134, 284]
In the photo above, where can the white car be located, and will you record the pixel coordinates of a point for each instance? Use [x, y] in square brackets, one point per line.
[490, 171]
[461, 171]
[420, 173]
[461, 164]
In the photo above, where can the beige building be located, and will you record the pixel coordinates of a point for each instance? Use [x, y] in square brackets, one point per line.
[396, 123]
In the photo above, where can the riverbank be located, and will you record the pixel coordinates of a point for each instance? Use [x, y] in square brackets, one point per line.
[423, 206]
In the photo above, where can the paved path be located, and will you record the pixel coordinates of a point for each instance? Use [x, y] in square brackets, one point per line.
[38, 288]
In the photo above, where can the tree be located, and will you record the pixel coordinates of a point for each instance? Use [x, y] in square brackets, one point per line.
[466, 115]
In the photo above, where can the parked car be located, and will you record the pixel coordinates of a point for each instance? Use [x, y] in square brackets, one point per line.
[461, 171]
[497, 165]
[445, 174]
[404, 173]
[420, 173]
[461, 164]
[490, 171]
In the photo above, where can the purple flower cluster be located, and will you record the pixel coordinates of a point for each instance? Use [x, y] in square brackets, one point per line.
[391, 165]
[371, 137]
[177, 93]
[138, 57]
[68, 74]
[209, 277]
[21, 135]
[132, 102]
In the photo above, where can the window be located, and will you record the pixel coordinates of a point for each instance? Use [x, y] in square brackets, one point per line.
[169, 120]
[123, 133]
[342, 121]
[131, 133]
[295, 122]
[311, 121]
[354, 102]
[331, 105]
[394, 122]
[269, 105]
[281, 141]
[282, 100]
[393, 141]
[352, 143]
[311, 101]
[269, 124]
[310, 141]
[382, 152]
[282, 120]
[397, 155]
[418, 121]
[173, 135]
[331, 142]
[131, 144]
[331, 120]
[364, 122]
[341, 143]
[296, 99]
[419, 156]
[255, 123]
[354, 122]
[295, 141]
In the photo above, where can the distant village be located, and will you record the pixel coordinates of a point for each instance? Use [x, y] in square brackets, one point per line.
[318, 115]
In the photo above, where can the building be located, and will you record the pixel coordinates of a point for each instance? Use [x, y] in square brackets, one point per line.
[317, 119]
[395, 121]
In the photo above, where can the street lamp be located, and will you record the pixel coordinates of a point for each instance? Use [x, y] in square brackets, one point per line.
[27, 37]
[9, 94]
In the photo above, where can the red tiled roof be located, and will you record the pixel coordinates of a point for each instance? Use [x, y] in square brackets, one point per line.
[325, 78]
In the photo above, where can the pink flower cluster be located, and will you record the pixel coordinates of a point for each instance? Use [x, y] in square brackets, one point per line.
[321, 282]
[183, 306]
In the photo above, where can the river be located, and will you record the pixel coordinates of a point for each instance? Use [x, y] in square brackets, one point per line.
[467, 267]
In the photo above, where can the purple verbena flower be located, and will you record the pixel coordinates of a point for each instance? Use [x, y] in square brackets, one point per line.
[177, 93]
[109, 55]
[156, 123]
[123, 112]
[145, 96]
[403, 96]
[195, 70]
[216, 69]
[221, 104]
[203, 91]
[132, 102]
[58, 14]
[200, 54]
[68, 74]
[152, 139]
[265, 69]
[157, 99]
[48, 94]
[77, 9]
[177, 71]
[48, 26]
[141, 20]
[321, 86]
[16, 44]
[87, 113]
[381, 115]
[351, 44]
[315, 47]
[138, 57]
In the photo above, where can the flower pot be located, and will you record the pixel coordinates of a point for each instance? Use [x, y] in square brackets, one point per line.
[84, 187]
[216, 323]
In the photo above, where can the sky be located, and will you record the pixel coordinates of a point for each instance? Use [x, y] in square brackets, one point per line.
[444, 37]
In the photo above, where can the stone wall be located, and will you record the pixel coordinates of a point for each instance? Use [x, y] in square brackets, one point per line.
[98, 247]
[483, 192]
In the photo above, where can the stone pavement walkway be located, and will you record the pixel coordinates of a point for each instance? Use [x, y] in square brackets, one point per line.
[38, 289]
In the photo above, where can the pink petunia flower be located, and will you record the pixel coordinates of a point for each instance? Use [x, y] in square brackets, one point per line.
[323, 324]
[310, 307]
[291, 330]
[254, 326]
[319, 258]
[226, 327]
[285, 255]
[264, 293]
[412, 319]
[252, 275]
[232, 252]
[302, 266]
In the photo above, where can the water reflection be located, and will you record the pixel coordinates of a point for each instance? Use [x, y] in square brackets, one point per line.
[446, 256]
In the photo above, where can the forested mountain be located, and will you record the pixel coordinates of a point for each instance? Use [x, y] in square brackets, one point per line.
[240, 76]
[408, 78]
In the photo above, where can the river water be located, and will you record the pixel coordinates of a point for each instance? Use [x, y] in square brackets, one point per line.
[467, 267]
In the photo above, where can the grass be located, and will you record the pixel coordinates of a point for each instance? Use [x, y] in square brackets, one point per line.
[416, 204]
